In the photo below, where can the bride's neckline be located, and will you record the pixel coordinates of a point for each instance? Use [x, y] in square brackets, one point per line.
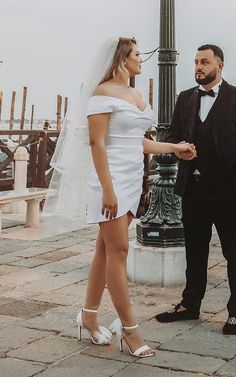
[123, 100]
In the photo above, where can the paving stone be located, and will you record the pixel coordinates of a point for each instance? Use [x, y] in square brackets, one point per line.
[65, 312]
[224, 284]
[80, 247]
[23, 276]
[30, 251]
[213, 282]
[54, 238]
[148, 371]
[52, 283]
[5, 300]
[56, 298]
[6, 320]
[220, 317]
[8, 258]
[47, 273]
[5, 270]
[87, 233]
[57, 255]
[219, 271]
[78, 275]
[19, 368]
[112, 352]
[8, 223]
[229, 370]
[60, 244]
[215, 300]
[76, 290]
[83, 259]
[47, 350]
[24, 309]
[205, 339]
[215, 259]
[16, 294]
[63, 320]
[223, 263]
[163, 332]
[59, 322]
[184, 362]
[63, 266]
[16, 336]
[167, 295]
[29, 262]
[84, 366]
[9, 245]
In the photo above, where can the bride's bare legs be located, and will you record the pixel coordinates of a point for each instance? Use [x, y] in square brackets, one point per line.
[115, 236]
[96, 284]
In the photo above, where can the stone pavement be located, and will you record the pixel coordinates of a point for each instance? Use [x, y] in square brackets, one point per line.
[42, 287]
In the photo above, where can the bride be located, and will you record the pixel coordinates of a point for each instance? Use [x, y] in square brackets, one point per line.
[116, 117]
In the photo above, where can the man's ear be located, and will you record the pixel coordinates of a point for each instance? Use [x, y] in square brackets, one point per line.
[221, 66]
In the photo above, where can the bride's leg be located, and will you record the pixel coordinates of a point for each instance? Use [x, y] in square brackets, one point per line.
[115, 236]
[96, 284]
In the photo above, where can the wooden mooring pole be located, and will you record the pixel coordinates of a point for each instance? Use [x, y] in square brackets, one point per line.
[13, 98]
[1, 95]
[58, 113]
[32, 117]
[65, 106]
[22, 119]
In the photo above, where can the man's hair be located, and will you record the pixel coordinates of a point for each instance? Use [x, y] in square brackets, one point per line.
[217, 50]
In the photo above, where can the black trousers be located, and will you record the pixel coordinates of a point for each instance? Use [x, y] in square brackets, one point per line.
[204, 205]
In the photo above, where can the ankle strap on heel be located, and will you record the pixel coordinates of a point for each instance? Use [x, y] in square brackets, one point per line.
[130, 327]
[89, 310]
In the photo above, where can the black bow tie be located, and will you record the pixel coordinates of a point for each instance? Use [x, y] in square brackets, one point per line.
[203, 93]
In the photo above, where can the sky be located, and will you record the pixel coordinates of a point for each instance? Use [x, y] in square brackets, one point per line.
[48, 45]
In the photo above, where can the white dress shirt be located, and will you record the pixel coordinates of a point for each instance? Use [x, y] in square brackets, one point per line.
[208, 101]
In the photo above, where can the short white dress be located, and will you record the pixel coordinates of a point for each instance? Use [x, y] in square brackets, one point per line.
[127, 126]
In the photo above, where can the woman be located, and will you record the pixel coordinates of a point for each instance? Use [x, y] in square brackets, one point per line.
[117, 119]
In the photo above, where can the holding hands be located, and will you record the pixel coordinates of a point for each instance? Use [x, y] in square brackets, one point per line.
[185, 151]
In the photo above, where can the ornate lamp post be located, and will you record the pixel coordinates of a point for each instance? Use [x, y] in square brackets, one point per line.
[161, 225]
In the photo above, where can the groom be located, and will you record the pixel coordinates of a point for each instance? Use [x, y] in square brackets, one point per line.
[206, 116]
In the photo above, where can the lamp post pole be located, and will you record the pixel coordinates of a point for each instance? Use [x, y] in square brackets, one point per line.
[161, 225]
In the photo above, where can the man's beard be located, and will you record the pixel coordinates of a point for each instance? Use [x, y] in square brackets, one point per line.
[207, 79]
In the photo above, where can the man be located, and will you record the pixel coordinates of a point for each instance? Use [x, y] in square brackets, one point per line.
[206, 116]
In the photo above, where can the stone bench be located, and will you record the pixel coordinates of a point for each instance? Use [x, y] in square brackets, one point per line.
[32, 197]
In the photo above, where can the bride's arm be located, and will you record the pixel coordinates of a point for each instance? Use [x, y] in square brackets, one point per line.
[154, 147]
[98, 126]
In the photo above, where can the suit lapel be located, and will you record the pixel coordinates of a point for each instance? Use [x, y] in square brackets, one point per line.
[220, 106]
[191, 113]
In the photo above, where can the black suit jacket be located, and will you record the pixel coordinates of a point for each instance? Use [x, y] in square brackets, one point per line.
[222, 115]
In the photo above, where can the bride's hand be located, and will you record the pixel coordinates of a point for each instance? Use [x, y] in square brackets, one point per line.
[109, 204]
[185, 151]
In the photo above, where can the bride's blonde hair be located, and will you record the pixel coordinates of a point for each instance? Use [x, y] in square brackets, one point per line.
[123, 50]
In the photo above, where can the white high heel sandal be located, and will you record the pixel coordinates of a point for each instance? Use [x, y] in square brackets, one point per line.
[116, 328]
[101, 337]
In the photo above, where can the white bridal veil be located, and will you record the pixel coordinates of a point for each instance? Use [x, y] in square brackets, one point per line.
[71, 159]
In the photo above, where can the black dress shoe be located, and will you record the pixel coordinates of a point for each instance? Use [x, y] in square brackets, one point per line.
[230, 326]
[173, 315]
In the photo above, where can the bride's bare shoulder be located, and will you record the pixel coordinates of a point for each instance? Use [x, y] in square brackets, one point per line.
[104, 89]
